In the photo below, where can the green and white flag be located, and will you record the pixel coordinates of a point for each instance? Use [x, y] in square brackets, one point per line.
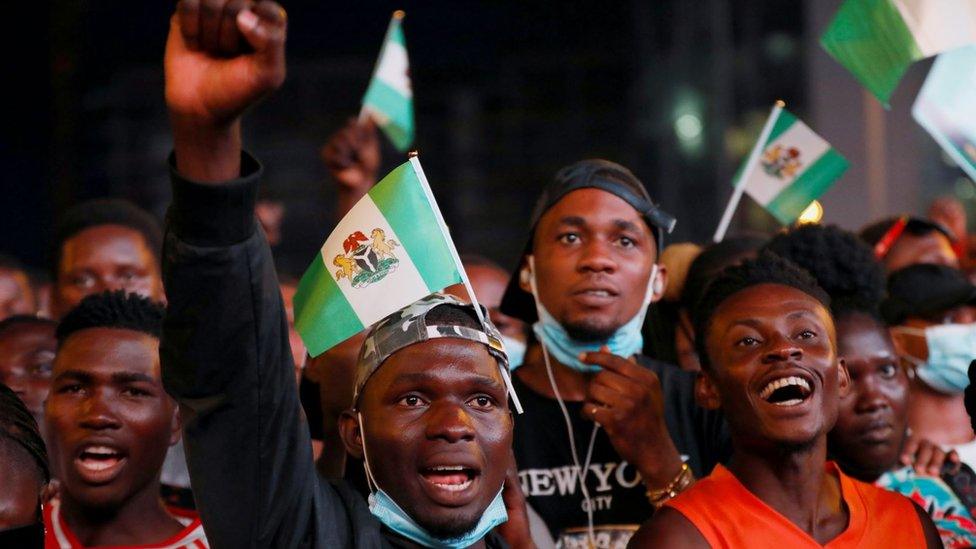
[877, 40]
[390, 250]
[945, 106]
[389, 98]
[788, 168]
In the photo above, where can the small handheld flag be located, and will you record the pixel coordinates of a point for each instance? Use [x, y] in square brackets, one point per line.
[389, 98]
[945, 106]
[877, 40]
[388, 251]
[789, 167]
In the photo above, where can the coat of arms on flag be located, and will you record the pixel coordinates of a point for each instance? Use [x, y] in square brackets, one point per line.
[365, 261]
[797, 166]
[782, 162]
[391, 249]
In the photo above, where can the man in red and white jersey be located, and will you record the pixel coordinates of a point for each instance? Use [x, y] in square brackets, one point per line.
[109, 424]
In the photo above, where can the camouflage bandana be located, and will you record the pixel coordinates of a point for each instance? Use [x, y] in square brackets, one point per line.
[409, 325]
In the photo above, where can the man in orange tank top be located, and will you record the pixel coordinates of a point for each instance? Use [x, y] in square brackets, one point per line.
[769, 361]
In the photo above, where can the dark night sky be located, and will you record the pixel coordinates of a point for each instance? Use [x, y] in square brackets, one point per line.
[528, 86]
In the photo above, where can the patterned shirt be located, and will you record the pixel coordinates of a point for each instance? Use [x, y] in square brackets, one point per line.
[949, 499]
[59, 536]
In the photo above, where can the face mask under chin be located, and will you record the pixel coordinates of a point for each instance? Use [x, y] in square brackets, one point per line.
[625, 341]
[392, 515]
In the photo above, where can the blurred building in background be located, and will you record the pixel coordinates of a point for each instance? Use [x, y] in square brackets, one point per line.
[506, 93]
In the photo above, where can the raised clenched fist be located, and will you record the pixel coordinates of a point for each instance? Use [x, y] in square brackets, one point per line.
[223, 56]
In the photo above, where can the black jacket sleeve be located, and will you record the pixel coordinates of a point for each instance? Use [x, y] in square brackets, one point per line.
[225, 358]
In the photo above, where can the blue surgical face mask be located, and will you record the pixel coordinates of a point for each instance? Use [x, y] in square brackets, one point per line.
[382, 506]
[952, 347]
[626, 341]
[395, 518]
[516, 351]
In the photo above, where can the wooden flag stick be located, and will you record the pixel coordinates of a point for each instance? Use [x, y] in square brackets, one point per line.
[740, 185]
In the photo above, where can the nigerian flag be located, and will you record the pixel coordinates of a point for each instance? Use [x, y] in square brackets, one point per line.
[791, 168]
[390, 250]
[877, 40]
[389, 98]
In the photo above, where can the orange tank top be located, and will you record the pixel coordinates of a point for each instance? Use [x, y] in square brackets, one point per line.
[728, 515]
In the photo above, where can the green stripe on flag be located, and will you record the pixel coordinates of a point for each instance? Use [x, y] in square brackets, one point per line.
[396, 107]
[396, 33]
[789, 204]
[322, 314]
[783, 123]
[870, 39]
[406, 208]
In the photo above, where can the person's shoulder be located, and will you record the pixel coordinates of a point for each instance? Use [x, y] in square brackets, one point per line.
[668, 373]
[667, 528]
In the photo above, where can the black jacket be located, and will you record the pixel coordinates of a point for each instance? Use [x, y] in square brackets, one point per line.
[225, 358]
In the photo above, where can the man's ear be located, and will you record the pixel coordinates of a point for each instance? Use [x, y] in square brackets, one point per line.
[352, 436]
[176, 425]
[706, 394]
[525, 275]
[660, 283]
[843, 378]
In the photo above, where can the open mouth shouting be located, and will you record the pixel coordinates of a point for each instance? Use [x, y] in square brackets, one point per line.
[786, 391]
[99, 463]
[450, 484]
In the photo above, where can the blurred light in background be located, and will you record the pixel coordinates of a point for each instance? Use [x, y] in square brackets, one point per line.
[689, 125]
[813, 213]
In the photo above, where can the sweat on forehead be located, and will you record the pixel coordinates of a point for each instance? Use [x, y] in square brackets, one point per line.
[768, 268]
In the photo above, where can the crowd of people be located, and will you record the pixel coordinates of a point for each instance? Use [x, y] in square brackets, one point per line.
[803, 389]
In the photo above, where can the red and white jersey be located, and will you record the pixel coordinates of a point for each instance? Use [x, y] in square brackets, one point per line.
[58, 536]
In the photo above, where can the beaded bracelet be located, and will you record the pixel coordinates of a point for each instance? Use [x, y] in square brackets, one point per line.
[680, 483]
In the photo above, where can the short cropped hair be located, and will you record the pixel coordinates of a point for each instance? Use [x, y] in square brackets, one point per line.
[768, 268]
[842, 264]
[111, 211]
[17, 426]
[711, 261]
[115, 309]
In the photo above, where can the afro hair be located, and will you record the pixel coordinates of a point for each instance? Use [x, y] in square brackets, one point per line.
[842, 264]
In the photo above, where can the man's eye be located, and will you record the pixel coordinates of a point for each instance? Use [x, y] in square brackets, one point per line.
[627, 242]
[888, 371]
[83, 281]
[747, 342]
[42, 369]
[135, 391]
[411, 401]
[569, 238]
[70, 389]
[483, 402]
[806, 334]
